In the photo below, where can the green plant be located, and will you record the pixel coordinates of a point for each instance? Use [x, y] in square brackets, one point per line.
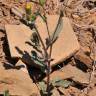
[56, 82]
[6, 93]
[36, 42]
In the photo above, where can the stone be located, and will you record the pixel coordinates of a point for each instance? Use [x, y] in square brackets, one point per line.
[1, 13]
[64, 47]
[18, 12]
[71, 72]
[92, 92]
[55, 92]
[21, 66]
[17, 82]
[66, 44]
[82, 57]
[64, 91]
[17, 35]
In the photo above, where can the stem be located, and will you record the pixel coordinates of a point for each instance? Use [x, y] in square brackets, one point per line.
[48, 78]
[48, 63]
[46, 25]
[49, 67]
[54, 34]
[48, 30]
[45, 51]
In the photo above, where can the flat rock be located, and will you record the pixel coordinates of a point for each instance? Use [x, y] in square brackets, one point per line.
[55, 92]
[17, 35]
[64, 47]
[70, 91]
[17, 82]
[82, 57]
[92, 92]
[66, 44]
[72, 72]
[21, 66]
[64, 91]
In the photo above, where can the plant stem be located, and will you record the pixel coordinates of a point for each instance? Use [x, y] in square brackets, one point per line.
[60, 18]
[49, 67]
[48, 63]
[48, 77]
[44, 48]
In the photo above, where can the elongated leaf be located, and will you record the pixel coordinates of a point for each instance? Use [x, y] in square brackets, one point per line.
[61, 83]
[37, 48]
[58, 30]
[35, 39]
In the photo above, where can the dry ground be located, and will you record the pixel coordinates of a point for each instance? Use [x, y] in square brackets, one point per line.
[82, 14]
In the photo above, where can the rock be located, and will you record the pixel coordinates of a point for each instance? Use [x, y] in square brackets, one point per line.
[93, 52]
[21, 66]
[1, 13]
[18, 12]
[66, 44]
[74, 91]
[18, 34]
[72, 72]
[71, 91]
[64, 91]
[55, 92]
[92, 92]
[17, 82]
[82, 57]
[5, 12]
[2, 28]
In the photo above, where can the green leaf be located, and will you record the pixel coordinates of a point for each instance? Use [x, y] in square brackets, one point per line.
[42, 2]
[55, 80]
[38, 61]
[57, 31]
[43, 86]
[61, 83]
[33, 18]
[35, 39]
[6, 93]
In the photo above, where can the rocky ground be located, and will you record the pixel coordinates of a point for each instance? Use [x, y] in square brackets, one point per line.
[82, 14]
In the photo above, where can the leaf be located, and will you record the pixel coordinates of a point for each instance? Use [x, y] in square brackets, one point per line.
[6, 93]
[57, 31]
[35, 39]
[61, 83]
[43, 87]
[55, 79]
[38, 61]
[33, 18]
[37, 48]
[42, 2]
[42, 16]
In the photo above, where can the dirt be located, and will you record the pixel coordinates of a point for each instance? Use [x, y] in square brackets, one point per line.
[82, 14]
